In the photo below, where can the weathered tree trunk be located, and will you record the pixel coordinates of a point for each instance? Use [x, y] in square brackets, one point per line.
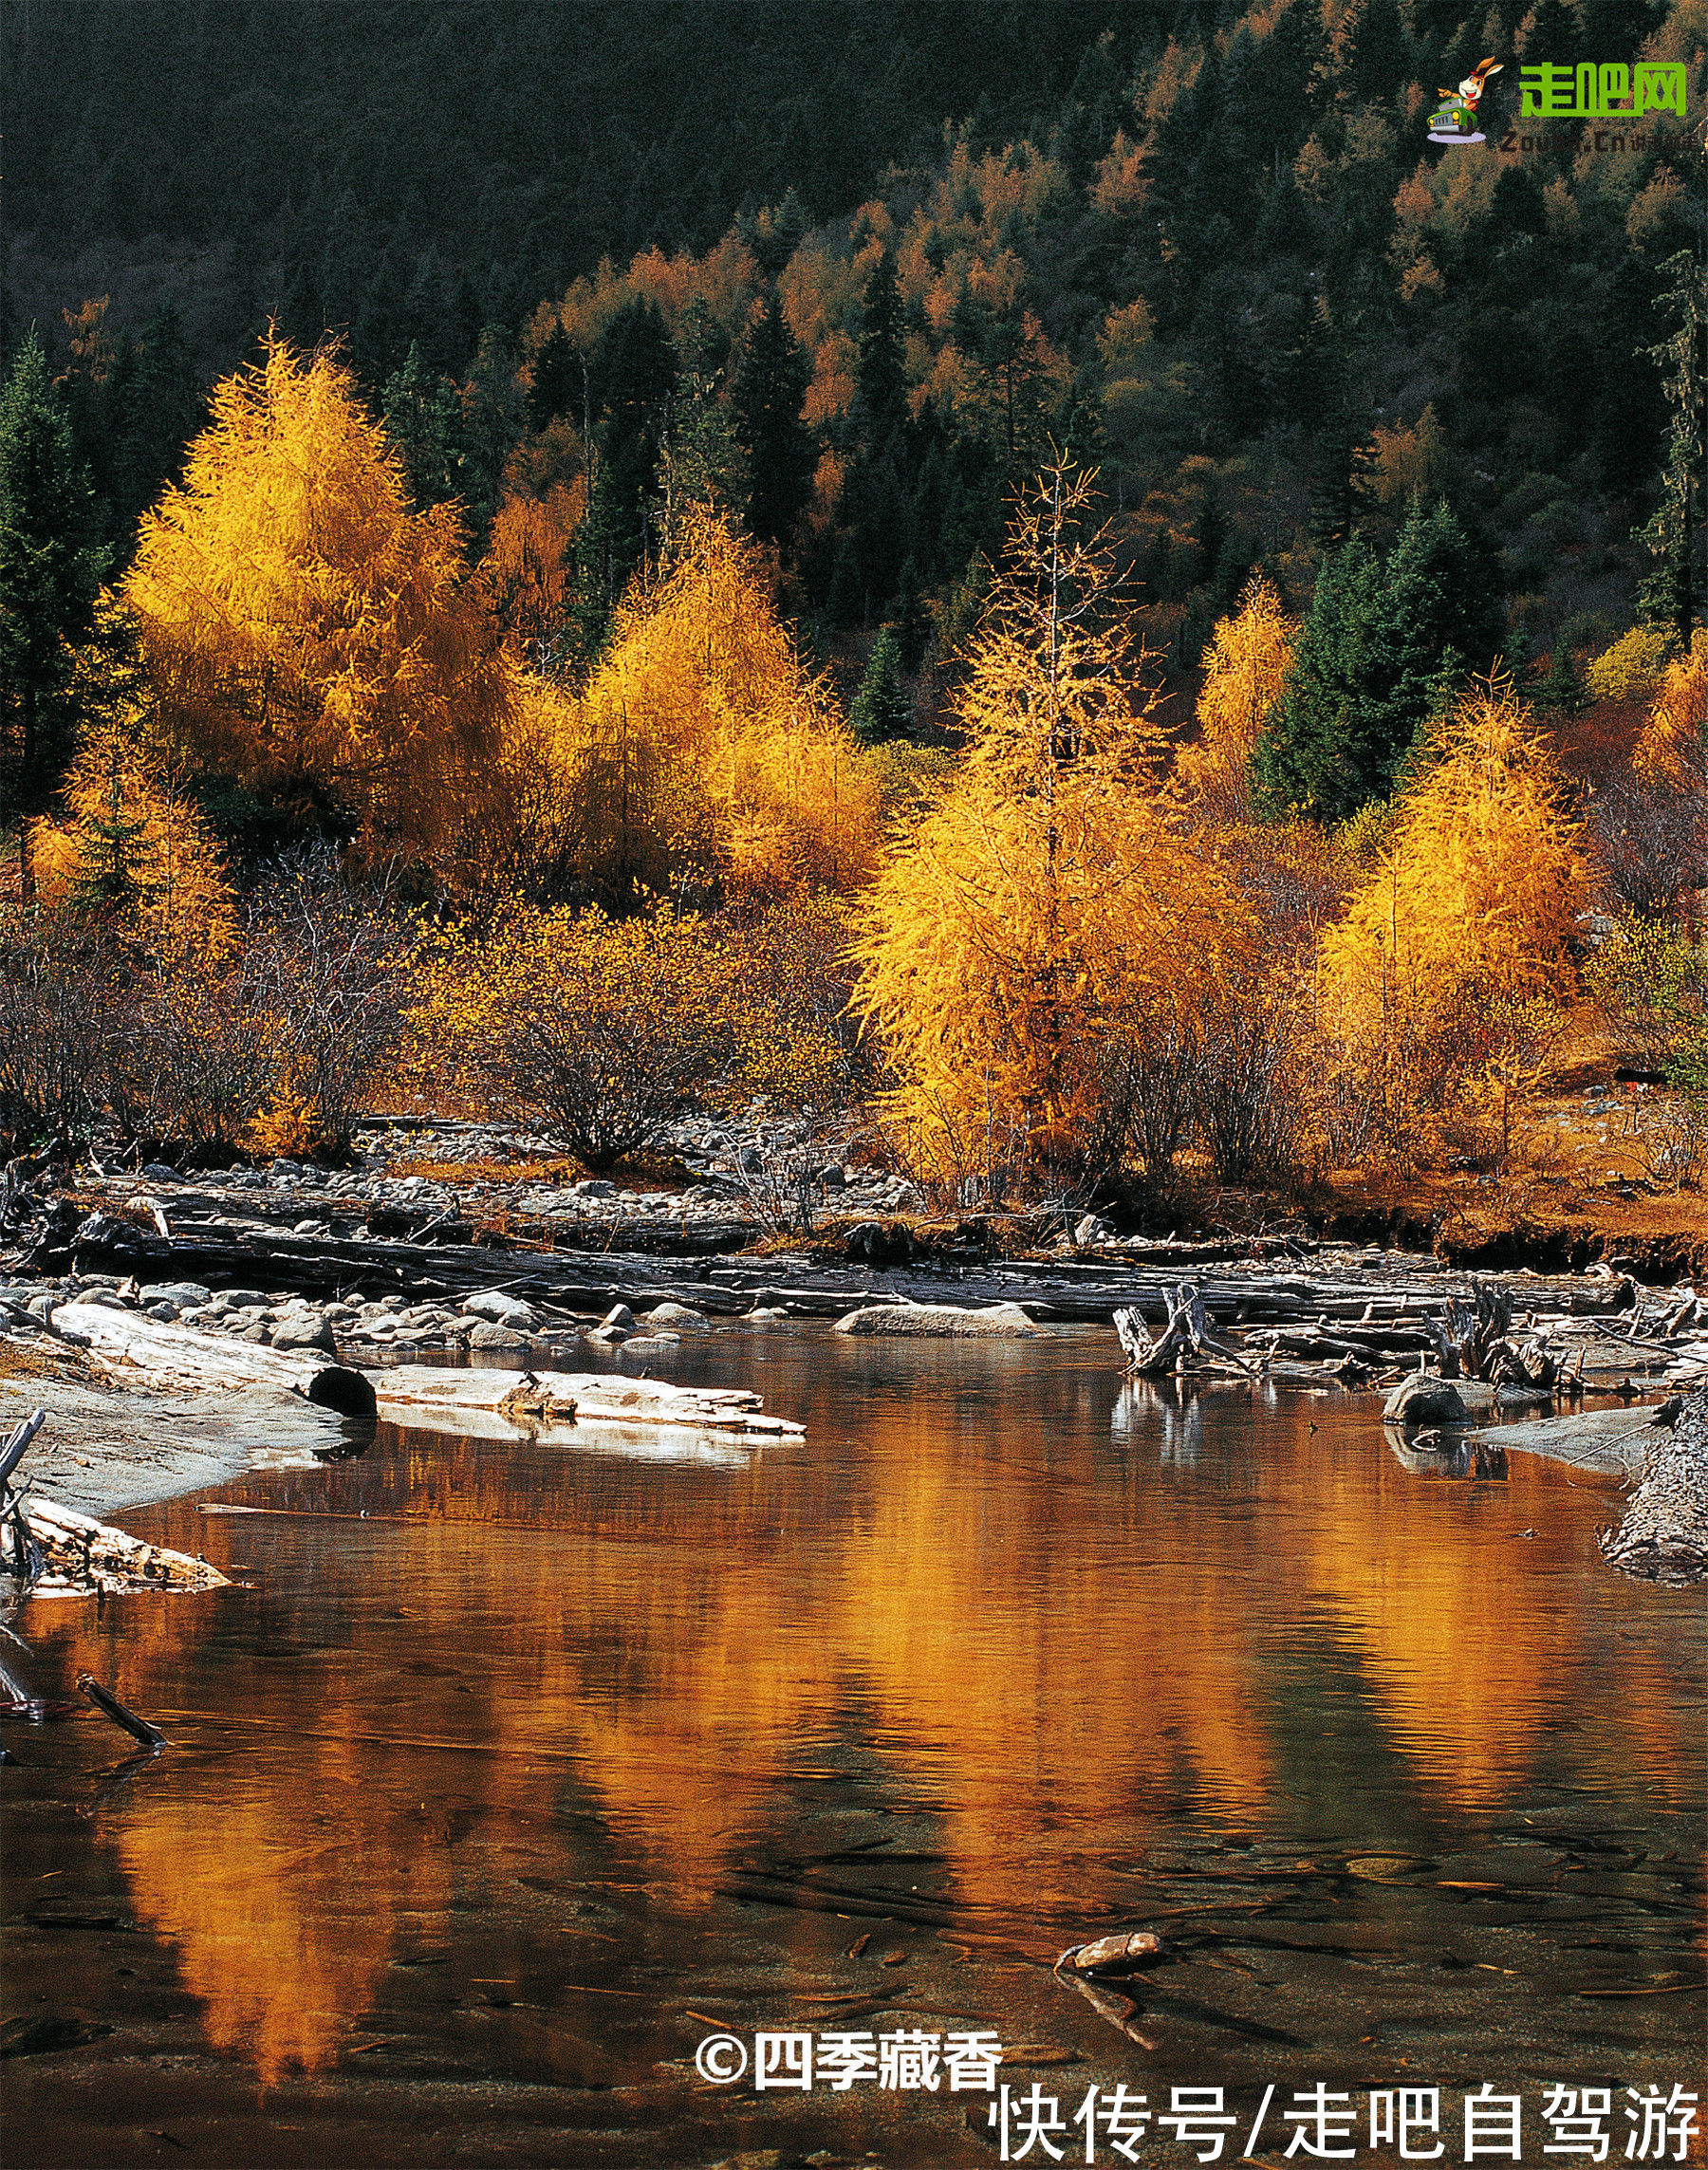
[1664, 1534]
[424, 1395]
[1188, 1330]
[79, 1554]
[154, 1354]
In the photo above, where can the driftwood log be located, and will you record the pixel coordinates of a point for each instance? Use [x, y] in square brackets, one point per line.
[1188, 1332]
[439, 1400]
[1664, 1537]
[74, 1555]
[151, 1353]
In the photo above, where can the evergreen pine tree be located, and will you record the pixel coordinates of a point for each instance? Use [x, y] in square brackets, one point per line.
[423, 417]
[557, 379]
[1561, 689]
[1670, 594]
[161, 410]
[913, 620]
[881, 375]
[1316, 754]
[50, 567]
[771, 389]
[108, 879]
[882, 707]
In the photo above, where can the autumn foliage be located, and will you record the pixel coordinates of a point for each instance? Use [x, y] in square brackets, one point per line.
[703, 756]
[1022, 946]
[304, 630]
[1245, 667]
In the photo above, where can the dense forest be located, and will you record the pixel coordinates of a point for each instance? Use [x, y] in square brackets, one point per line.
[1212, 244]
[585, 457]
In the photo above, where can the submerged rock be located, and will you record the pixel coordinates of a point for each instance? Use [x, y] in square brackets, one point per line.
[1424, 1399]
[926, 1322]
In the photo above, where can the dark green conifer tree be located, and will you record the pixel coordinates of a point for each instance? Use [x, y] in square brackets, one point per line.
[424, 417]
[50, 567]
[1672, 591]
[557, 379]
[771, 389]
[882, 707]
[881, 375]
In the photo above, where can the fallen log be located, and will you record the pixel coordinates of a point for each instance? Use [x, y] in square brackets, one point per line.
[140, 1350]
[121, 1715]
[422, 1394]
[80, 1555]
[935, 1321]
[1664, 1537]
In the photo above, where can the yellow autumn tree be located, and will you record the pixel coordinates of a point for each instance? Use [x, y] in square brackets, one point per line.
[304, 629]
[525, 569]
[703, 753]
[1460, 939]
[1247, 661]
[1674, 746]
[136, 843]
[1029, 936]
[131, 842]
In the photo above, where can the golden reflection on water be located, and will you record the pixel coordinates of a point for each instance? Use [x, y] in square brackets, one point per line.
[965, 1580]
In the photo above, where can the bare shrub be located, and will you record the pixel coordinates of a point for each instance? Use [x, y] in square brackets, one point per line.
[1247, 1096]
[1650, 983]
[198, 1065]
[64, 1011]
[608, 1028]
[1652, 838]
[1148, 1078]
[1668, 1137]
[329, 966]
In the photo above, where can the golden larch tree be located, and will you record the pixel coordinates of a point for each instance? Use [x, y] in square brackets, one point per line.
[1244, 670]
[703, 753]
[304, 629]
[1045, 916]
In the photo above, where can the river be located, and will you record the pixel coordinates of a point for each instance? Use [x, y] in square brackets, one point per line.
[508, 1774]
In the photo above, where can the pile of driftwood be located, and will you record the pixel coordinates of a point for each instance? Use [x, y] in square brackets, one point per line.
[1475, 1333]
[1663, 1536]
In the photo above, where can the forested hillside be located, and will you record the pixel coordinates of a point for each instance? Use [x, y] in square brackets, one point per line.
[559, 458]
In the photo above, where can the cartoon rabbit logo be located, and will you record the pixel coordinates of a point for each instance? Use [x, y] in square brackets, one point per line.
[1455, 119]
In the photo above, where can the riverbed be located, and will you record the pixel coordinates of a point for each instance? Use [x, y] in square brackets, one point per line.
[504, 1775]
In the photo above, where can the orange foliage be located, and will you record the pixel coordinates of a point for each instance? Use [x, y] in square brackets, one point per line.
[1674, 746]
[526, 568]
[134, 839]
[1018, 948]
[302, 627]
[1248, 659]
[702, 751]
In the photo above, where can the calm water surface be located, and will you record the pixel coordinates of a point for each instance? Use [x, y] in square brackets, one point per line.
[513, 1771]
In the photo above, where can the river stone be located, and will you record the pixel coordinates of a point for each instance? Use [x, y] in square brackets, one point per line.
[488, 1335]
[305, 1329]
[181, 1292]
[158, 1172]
[502, 1310]
[996, 1322]
[675, 1315]
[1424, 1399]
[619, 1315]
[650, 1345]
